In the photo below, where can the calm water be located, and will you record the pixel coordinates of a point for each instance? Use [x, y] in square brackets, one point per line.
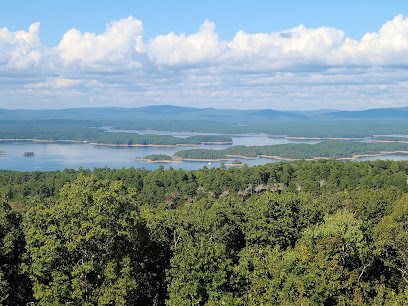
[58, 156]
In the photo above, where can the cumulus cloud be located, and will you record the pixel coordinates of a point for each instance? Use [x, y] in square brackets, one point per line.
[288, 50]
[20, 50]
[388, 46]
[198, 48]
[119, 44]
[296, 68]
[283, 50]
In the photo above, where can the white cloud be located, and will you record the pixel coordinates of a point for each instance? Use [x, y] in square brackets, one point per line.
[56, 83]
[20, 50]
[198, 48]
[387, 47]
[297, 68]
[282, 51]
[119, 44]
[295, 49]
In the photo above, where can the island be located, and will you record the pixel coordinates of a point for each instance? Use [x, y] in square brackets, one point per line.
[235, 163]
[3, 153]
[28, 154]
[158, 158]
[201, 155]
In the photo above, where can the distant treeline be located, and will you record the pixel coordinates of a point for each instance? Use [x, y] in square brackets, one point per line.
[136, 139]
[63, 129]
[299, 233]
[84, 131]
[390, 138]
[48, 130]
[354, 128]
[325, 149]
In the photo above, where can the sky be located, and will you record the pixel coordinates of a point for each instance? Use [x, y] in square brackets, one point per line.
[284, 55]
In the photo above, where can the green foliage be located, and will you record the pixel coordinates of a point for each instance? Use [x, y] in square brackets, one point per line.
[325, 149]
[391, 239]
[80, 130]
[89, 247]
[157, 140]
[201, 154]
[301, 233]
[158, 157]
[390, 138]
[15, 288]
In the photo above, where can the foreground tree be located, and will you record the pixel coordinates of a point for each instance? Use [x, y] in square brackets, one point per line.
[15, 287]
[91, 247]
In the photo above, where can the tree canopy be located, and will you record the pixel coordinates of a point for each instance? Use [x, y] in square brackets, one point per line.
[306, 232]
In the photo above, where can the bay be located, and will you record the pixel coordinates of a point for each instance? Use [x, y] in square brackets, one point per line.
[59, 156]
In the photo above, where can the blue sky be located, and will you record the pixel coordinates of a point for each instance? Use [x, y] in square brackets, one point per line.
[225, 54]
[355, 18]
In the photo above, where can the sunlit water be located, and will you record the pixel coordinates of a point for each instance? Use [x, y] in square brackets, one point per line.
[59, 156]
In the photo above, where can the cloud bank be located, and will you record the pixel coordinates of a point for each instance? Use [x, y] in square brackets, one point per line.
[299, 68]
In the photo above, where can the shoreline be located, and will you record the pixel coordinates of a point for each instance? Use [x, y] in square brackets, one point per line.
[117, 145]
[159, 146]
[353, 157]
[46, 140]
[241, 156]
[372, 155]
[156, 161]
[190, 132]
[400, 141]
[203, 160]
[326, 138]
[142, 145]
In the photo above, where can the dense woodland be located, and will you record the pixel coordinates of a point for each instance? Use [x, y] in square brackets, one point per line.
[390, 138]
[48, 130]
[325, 149]
[306, 233]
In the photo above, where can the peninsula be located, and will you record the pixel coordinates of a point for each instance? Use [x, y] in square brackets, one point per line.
[323, 150]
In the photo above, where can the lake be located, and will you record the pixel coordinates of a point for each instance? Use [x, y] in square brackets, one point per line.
[59, 156]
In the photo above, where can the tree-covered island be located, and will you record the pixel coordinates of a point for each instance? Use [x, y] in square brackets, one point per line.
[325, 149]
[156, 158]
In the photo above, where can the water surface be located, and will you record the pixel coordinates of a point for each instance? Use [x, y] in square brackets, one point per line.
[59, 156]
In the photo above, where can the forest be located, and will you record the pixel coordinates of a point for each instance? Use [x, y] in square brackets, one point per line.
[136, 139]
[325, 149]
[89, 123]
[390, 138]
[76, 130]
[299, 233]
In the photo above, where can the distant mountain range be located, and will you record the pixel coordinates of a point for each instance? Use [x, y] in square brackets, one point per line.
[169, 112]
[379, 113]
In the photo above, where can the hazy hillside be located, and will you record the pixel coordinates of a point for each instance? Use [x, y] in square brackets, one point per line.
[321, 123]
